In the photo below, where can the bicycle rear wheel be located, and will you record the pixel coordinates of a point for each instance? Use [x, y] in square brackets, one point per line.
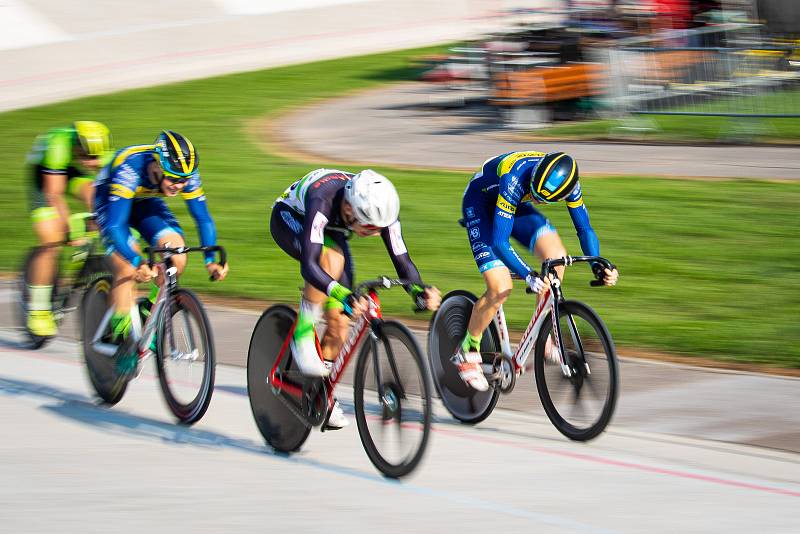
[106, 381]
[446, 331]
[33, 341]
[281, 428]
[185, 357]
[393, 400]
[579, 406]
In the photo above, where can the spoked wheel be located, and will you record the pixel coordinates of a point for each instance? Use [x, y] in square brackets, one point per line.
[447, 329]
[581, 405]
[281, 428]
[185, 357]
[393, 400]
[32, 341]
[107, 382]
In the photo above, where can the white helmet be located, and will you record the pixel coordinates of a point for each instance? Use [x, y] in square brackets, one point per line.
[373, 198]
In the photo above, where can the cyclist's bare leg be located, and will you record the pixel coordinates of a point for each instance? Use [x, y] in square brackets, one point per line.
[124, 286]
[173, 240]
[43, 268]
[303, 347]
[332, 262]
[498, 288]
[549, 246]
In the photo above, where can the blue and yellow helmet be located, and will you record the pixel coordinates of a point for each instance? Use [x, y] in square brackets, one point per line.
[554, 178]
[176, 154]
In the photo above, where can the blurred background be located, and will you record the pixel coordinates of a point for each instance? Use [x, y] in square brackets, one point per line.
[683, 115]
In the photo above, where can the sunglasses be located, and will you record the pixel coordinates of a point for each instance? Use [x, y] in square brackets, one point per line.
[175, 179]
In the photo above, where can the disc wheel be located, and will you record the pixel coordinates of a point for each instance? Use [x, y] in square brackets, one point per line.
[446, 331]
[282, 429]
[109, 385]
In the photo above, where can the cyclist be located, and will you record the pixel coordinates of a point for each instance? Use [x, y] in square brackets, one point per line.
[129, 192]
[312, 221]
[61, 160]
[498, 204]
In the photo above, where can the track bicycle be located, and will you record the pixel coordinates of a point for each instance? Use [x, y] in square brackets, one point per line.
[391, 386]
[80, 260]
[574, 362]
[176, 329]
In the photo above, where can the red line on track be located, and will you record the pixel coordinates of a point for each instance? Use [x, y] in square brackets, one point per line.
[544, 450]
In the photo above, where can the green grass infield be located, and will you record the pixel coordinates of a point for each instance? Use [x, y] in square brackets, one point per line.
[707, 267]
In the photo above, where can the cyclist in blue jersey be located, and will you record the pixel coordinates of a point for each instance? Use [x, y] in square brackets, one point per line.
[312, 222]
[129, 195]
[498, 205]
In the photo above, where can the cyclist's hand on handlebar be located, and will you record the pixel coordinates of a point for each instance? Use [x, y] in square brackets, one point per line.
[432, 298]
[217, 271]
[610, 277]
[537, 284]
[145, 273]
[355, 306]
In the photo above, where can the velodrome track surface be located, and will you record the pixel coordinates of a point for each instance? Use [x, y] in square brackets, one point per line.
[674, 458]
[53, 50]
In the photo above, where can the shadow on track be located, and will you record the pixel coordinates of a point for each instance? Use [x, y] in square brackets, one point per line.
[86, 410]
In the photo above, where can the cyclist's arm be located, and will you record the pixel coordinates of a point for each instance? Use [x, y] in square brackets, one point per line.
[55, 162]
[318, 213]
[53, 187]
[195, 199]
[507, 200]
[116, 226]
[392, 237]
[590, 245]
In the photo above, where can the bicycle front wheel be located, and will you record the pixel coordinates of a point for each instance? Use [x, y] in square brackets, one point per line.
[109, 384]
[185, 357]
[580, 405]
[393, 400]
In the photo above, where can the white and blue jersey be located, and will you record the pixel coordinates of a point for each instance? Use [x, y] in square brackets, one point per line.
[125, 197]
[498, 205]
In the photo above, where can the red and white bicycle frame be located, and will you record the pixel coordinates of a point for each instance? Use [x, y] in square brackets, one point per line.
[520, 356]
[349, 347]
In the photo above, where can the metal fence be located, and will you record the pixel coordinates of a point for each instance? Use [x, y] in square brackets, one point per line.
[724, 71]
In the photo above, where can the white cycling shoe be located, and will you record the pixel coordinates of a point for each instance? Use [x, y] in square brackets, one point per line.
[336, 419]
[306, 358]
[469, 369]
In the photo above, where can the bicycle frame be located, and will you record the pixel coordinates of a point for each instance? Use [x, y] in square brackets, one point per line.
[143, 334]
[356, 334]
[520, 356]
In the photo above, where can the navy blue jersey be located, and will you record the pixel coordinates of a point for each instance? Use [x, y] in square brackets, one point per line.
[504, 181]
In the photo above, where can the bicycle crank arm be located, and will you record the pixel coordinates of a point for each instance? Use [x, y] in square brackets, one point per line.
[292, 408]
